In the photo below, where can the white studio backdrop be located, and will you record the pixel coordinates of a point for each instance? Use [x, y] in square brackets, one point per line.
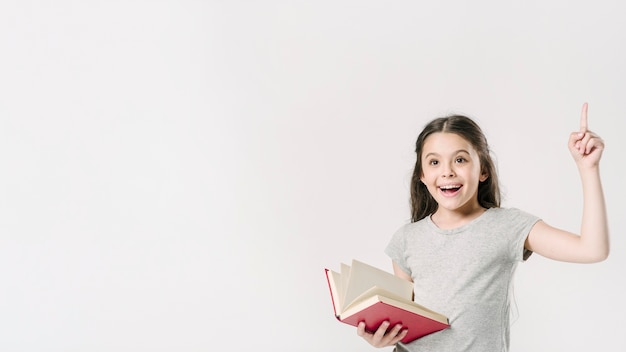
[177, 174]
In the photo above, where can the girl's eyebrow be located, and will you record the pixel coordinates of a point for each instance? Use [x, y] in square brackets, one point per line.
[455, 152]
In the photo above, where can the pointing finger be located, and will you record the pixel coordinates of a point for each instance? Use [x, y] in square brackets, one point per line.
[583, 118]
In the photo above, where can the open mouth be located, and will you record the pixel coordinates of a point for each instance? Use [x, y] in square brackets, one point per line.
[449, 189]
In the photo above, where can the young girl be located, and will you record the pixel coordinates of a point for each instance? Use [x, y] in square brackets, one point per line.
[461, 249]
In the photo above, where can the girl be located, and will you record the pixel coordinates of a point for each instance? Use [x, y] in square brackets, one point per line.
[461, 249]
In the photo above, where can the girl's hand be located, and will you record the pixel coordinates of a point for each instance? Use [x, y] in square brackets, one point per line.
[382, 337]
[586, 147]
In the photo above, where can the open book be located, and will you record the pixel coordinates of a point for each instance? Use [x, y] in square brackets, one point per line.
[365, 293]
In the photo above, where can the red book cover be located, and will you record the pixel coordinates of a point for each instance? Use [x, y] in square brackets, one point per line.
[375, 314]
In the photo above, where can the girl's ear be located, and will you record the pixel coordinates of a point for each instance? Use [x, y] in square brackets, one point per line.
[483, 177]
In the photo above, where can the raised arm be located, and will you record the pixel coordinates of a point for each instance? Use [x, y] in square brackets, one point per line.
[592, 245]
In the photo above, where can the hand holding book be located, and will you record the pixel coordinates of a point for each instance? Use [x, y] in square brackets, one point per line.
[364, 294]
[383, 336]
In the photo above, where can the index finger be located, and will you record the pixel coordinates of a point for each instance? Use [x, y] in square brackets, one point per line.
[583, 118]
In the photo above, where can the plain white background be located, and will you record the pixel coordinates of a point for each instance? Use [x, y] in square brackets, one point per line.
[176, 175]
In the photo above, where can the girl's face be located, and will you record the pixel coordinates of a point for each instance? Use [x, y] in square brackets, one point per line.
[451, 172]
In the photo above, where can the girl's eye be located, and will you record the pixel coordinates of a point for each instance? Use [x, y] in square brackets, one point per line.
[433, 162]
[460, 160]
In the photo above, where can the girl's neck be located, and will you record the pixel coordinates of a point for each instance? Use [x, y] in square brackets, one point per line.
[450, 219]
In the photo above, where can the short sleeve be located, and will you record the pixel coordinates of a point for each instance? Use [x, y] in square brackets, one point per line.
[522, 223]
[396, 249]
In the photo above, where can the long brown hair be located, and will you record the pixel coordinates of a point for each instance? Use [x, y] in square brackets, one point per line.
[422, 203]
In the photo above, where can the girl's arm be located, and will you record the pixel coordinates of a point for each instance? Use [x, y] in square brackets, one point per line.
[592, 245]
[397, 270]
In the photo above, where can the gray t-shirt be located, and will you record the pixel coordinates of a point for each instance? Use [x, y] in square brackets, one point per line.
[465, 273]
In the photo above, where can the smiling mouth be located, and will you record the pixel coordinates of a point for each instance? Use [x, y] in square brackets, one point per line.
[449, 189]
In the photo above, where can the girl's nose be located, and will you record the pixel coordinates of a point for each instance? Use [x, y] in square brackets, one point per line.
[448, 172]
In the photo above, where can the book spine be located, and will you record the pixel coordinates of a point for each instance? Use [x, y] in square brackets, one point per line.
[332, 298]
